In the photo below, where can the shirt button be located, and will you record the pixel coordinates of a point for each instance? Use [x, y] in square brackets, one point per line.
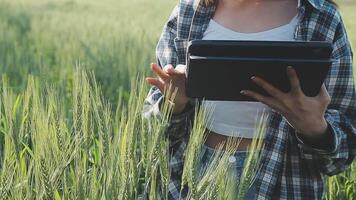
[232, 159]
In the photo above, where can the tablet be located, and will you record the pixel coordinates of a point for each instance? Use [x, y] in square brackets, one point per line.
[223, 74]
[261, 49]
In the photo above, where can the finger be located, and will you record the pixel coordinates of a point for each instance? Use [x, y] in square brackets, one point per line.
[270, 89]
[180, 69]
[159, 72]
[168, 68]
[156, 82]
[269, 101]
[294, 80]
[324, 94]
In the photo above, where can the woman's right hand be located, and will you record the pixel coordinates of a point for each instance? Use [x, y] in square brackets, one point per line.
[170, 75]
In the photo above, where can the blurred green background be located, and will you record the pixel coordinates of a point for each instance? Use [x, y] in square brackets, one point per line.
[115, 39]
[48, 38]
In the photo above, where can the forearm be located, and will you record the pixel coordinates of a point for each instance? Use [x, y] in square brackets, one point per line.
[340, 152]
[179, 123]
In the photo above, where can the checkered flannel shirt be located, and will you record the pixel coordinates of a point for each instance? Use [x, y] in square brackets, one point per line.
[290, 168]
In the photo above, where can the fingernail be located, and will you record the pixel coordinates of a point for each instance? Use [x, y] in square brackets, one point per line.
[253, 77]
[243, 92]
[289, 67]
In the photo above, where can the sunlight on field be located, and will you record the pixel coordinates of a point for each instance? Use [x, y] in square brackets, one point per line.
[48, 38]
[348, 12]
[60, 137]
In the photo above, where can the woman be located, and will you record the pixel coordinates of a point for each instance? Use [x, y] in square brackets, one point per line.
[306, 137]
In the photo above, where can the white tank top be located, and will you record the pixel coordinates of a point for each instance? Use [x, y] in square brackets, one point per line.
[239, 118]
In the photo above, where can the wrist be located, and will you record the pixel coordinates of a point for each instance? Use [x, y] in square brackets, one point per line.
[319, 135]
[322, 141]
[320, 129]
[315, 129]
[178, 108]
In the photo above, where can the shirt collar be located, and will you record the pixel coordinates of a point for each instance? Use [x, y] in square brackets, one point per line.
[317, 4]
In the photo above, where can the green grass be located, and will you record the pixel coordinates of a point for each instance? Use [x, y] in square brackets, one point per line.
[348, 13]
[93, 151]
[115, 39]
[65, 134]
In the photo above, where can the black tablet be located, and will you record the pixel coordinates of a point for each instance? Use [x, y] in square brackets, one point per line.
[219, 70]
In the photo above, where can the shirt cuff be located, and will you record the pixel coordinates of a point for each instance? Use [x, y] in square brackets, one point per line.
[309, 149]
[182, 116]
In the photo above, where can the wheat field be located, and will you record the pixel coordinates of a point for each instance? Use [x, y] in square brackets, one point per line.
[71, 95]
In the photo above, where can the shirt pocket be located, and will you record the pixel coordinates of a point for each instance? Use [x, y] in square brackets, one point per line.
[181, 46]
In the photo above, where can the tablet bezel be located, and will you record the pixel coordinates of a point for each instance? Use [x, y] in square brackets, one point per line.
[255, 44]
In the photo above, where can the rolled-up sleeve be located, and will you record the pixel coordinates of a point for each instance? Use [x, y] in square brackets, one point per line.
[341, 112]
[166, 54]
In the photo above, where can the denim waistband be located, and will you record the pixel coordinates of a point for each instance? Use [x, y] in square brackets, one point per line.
[209, 152]
[237, 152]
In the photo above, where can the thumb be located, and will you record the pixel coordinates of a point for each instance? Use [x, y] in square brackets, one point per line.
[181, 69]
[323, 94]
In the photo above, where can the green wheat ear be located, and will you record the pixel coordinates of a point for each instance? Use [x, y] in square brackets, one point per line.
[45, 179]
[214, 183]
[193, 150]
[251, 163]
[83, 149]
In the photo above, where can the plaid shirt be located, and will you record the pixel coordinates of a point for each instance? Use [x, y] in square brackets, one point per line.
[290, 168]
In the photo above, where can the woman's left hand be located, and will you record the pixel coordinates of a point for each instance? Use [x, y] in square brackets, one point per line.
[305, 114]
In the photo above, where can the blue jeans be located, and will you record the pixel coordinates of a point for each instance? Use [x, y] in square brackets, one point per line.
[237, 162]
